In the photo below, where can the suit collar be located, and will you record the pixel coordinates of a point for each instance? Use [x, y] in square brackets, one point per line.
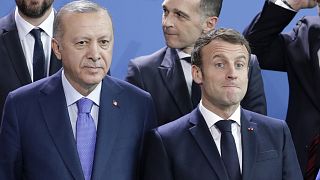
[111, 114]
[200, 132]
[53, 104]
[249, 130]
[203, 137]
[172, 75]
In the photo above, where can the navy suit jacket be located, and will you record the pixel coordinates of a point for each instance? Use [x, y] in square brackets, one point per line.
[295, 53]
[161, 75]
[37, 141]
[185, 150]
[13, 67]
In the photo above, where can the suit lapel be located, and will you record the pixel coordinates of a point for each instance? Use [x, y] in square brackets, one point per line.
[11, 41]
[111, 112]
[203, 137]
[172, 75]
[54, 108]
[249, 144]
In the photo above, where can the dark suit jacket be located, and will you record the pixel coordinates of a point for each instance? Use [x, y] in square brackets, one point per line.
[185, 150]
[37, 141]
[161, 75]
[296, 54]
[13, 67]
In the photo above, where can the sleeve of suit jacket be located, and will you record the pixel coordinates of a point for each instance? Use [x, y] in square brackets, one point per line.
[156, 161]
[291, 168]
[265, 38]
[10, 146]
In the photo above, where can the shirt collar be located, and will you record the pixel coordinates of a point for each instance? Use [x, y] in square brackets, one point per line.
[211, 118]
[72, 95]
[25, 27]
[182, 54]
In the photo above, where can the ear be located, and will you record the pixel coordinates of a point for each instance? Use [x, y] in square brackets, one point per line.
[197, 74]
[56, 48]
[210, 23]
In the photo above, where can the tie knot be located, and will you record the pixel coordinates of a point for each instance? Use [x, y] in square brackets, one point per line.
[84, 105]
[224, 125]
[187, 59]
[36, 33]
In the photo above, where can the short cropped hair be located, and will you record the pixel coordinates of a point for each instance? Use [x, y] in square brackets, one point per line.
[81, 6]
[227, 35]
[210, 8]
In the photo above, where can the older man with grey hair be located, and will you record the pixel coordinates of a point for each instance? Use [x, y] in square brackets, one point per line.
[78, 123]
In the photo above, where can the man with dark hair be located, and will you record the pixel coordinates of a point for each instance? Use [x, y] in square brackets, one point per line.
[219, 140]
[298, 54]
[78, 123]
[22, 32]
[166, 74]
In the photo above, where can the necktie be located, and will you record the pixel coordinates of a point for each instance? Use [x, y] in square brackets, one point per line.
[38, 55]
[228, 150]
[195, 89]
[86, 136]
[313, 151]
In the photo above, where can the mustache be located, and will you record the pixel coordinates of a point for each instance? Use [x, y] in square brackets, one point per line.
[92, 64]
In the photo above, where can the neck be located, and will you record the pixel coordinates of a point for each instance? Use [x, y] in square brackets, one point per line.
[223, 111]
[36, 21]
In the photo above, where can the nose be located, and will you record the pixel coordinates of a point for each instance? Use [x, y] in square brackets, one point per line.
[167, 21]
[94, 52]
[231, 73]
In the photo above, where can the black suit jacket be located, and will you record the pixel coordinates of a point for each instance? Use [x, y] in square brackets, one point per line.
[161, 74]
[13, 67]
[185, 150]
[296, 54]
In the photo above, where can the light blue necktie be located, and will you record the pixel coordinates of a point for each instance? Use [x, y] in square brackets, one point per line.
[86, 136]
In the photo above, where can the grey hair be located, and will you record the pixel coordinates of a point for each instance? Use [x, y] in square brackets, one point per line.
[80, 6]
[210, 8]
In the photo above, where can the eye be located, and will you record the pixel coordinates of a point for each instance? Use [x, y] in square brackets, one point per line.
[81, 44]
[165, 12]
[219, 65]
[180, 15]
[104, 43]
[239, 65]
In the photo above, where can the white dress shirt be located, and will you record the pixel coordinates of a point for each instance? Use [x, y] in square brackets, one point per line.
[27, 40]
[211, 118]
[72, 96]
[186, 67]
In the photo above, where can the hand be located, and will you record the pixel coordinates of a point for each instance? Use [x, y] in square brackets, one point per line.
[302, 4]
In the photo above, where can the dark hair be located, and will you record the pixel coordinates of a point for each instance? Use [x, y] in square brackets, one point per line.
[210, 7]
[227, 35]
[81, 6]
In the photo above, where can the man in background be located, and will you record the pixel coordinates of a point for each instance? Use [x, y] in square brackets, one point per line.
[166, 74]
[28, 26]
[298, 54]
[78, 123]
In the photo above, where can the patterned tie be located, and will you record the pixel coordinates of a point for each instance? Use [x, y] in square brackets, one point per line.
[313, 153]
[228, 150]
[86, 136]
[195, 89]
[38, 56]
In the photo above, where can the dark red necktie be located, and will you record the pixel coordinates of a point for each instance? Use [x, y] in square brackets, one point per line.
[313, 157]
